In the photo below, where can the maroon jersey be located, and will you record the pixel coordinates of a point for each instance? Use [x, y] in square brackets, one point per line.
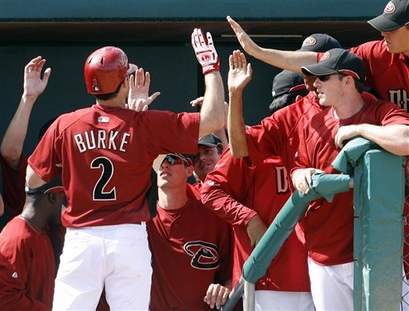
[236, 192]
[278, 134]
[386, 73]
[327, 228]
[191, 249]
[27, 268]
[13, 186]
[106, 156]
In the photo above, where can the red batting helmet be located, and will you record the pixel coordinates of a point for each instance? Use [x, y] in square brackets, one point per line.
[105, 69]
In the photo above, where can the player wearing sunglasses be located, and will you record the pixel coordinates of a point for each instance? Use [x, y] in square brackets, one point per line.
[191, 246]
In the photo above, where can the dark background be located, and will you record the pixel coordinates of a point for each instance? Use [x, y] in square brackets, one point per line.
[156, 36]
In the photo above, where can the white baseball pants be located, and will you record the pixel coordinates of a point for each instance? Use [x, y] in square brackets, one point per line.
[116, 257]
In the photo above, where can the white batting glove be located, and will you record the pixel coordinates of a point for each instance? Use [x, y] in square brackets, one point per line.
[205, 52]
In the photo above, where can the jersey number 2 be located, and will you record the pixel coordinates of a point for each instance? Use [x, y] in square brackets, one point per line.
[107, 169]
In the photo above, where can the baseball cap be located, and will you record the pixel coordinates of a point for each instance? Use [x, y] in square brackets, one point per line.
[319, 42]
[287, 82]
[394, 16]
[55, 185]
[337, 61]
[210, 140]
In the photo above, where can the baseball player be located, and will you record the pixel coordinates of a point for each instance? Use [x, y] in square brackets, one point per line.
[191, 247]
[249, 198]
[278, 134]
[210, 148]
[27, 265]
[106, 153]
[386, 61]
[326, 230]
[12, 160]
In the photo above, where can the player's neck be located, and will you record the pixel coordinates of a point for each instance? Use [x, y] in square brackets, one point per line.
[34, 218]
[172, 198]
[111, 103]
[348, 107]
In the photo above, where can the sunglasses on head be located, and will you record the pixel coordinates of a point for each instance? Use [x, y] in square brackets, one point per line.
[174, 160]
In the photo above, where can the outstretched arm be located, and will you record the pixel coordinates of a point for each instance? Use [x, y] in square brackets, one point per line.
[393, 138]
[221, 133]
[240, 74]
[289, 60]
[212, 111]
[13, 140]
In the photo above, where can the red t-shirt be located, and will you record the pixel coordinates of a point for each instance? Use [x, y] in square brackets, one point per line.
[191, 249]
[237, 192]
[106, 156]
[327, 228]
[386, 73]
[278, 134]
[27, 268]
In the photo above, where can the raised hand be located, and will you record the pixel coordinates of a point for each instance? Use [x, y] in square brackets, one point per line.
[34, 85]
[138, 97]
[240, 72]
[205, 51]
[244, 39]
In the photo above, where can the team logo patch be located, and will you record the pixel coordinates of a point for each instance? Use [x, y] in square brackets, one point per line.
[103, 119]
[325, 56]
[205, 256]
[309, 41]
[390, 8]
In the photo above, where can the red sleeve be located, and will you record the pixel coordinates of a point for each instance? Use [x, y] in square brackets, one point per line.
[15, 259]
[225, 186]
[371, 54]
[225, 248]
[13, 186]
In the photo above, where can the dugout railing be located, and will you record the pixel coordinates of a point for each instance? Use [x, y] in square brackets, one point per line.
[378, 180]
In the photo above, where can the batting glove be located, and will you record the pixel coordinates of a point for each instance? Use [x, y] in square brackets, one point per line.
[205, 52]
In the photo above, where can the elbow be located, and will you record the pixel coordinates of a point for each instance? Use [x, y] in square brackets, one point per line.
[11, 156]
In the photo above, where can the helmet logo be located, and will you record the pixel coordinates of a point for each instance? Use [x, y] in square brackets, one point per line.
[95, 86]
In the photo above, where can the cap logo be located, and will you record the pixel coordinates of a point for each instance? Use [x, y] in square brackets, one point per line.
[390, 8]
[309, 41]
[325, 56]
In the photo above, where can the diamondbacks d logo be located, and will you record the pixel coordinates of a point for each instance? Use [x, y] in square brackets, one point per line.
[204, 255]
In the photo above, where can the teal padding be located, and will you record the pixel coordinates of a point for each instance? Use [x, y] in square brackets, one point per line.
[282, 226]
[378, 231]
[351, 153]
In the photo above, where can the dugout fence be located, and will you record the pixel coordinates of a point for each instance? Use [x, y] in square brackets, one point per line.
[380, 228]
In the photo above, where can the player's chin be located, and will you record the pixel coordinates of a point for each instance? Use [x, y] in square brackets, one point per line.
[390, 48]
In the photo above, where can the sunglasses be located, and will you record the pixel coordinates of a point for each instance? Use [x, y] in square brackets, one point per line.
[174, 160]
[324, 78]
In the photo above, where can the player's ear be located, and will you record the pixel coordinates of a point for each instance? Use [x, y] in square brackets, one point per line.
[189, 170]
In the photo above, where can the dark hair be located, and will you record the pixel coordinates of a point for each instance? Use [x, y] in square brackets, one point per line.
[359, 85]
[285, 100]
[110, 95]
